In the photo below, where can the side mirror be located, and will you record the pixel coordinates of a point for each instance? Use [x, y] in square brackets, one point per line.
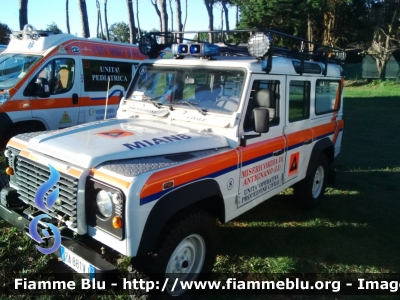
[42, 88]
[261, 119]
[260, 125]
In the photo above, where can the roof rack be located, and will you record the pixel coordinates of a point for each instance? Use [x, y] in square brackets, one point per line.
[29, 32]
[262, 44]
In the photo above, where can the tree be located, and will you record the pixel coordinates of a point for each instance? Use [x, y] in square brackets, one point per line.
[119, 32]
[100, 33]
[179, 25]
[225, 9]
[84, 18]
[54, 28]
[5, 32]
[137, 17]
[131, 18]
[23, 13]
[209, 6]
[105, 20]
[67, 15]
[162, 15]
[386, 34]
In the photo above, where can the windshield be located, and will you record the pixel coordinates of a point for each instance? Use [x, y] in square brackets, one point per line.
[13, 67]
[204, 89]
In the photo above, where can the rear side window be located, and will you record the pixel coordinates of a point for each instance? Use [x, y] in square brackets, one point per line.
[299, 100]
[326, 93]
[97, 73]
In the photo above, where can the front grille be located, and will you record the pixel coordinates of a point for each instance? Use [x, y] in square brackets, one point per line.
[31, 175]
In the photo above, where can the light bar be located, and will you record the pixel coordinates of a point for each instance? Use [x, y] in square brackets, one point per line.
[198, 49]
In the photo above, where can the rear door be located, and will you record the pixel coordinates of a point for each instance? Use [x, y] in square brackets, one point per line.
[298, 131]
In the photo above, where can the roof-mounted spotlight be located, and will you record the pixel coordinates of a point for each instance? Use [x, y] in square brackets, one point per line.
[148, 46]
[259, 44]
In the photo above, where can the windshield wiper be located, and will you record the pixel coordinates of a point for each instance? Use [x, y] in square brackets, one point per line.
[200, 110]
[148, 98]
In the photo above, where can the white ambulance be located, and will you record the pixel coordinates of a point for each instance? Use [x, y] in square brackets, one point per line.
[52, 81]
[205, 136]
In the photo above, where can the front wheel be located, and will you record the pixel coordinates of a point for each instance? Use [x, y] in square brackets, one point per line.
[185, 253]
[311, 189]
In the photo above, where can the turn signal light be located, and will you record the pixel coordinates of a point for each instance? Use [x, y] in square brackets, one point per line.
[117, 222]
[9, 171]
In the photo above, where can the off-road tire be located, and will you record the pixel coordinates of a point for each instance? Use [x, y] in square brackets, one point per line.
[195, 232]
[310, 191]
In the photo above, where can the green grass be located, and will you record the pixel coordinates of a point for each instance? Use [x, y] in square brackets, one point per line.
[355, 230]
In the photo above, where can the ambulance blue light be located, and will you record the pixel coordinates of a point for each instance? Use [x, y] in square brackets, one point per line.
[204, 50]
[198, 49]
[180, 49]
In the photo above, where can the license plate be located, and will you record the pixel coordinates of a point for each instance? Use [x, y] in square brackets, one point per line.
[76, 262]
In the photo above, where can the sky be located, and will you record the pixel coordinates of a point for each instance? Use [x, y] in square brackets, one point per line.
[43, 12]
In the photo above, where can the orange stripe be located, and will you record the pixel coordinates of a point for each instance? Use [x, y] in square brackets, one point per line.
[51, 103]
[324, 129]
[299, 137]
[15, 144]
[262, 148]
[74, 172]
[189, 172]
[109, 179]
[25, 153]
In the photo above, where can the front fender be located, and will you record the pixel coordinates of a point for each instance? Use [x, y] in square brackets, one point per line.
[169, 205]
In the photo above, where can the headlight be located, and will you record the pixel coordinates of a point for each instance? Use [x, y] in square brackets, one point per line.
[104, 203]
[4, 97]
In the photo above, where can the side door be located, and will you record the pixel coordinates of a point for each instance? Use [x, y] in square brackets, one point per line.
[61, 109]
[262, 158]
[298, 130]
[104, 84]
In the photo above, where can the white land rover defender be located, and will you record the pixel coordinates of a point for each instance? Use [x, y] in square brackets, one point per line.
[207, 135]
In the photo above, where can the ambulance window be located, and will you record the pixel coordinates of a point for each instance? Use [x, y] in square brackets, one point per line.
[325, 96]
[59, 72]
[299, 100]
[263, 93]
[97, 73]
[64, 75]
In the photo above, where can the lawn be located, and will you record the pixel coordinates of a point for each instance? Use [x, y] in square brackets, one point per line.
[355, 230]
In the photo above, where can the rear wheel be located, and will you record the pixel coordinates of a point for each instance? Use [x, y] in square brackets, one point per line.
[186, 252]
[311, 189]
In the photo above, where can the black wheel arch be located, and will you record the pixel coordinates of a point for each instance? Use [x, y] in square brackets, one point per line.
[205, 194]
[324, 146]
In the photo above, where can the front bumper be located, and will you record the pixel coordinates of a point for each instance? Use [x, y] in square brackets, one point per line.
[80, 246]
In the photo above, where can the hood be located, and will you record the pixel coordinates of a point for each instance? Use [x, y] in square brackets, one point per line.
[90, 144]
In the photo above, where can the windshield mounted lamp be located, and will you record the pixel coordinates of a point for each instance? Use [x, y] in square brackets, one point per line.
[259, 44]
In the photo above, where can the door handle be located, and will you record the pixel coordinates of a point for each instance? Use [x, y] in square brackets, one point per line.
[306, 142]
[276, 153]
[75, 98]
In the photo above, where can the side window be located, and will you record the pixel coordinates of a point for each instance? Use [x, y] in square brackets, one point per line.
[299, 100]
[325, 96]
[97, 73]
[264, 93]
[60, 74]
[64, 75]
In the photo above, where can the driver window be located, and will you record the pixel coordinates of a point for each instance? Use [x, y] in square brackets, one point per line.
[60, 75]
[264, 93]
